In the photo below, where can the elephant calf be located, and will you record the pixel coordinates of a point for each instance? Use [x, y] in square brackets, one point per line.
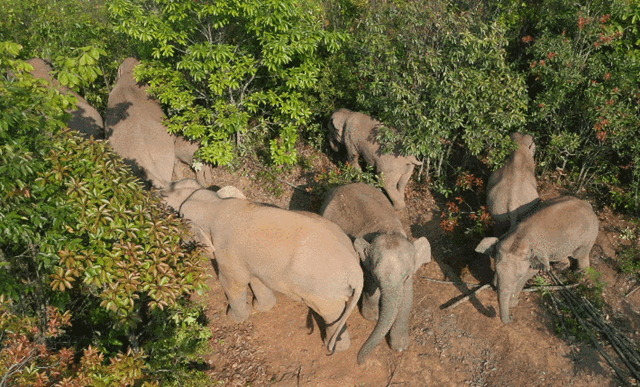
[358, 132]
[84, 118]
[559, 228]
[512, 190]
[270, 249]
[388, 257]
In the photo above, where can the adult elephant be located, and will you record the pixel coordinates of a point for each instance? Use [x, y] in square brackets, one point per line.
[269, 249]
[387, 255]
[135, 130]
[512, 190]
[559, 228]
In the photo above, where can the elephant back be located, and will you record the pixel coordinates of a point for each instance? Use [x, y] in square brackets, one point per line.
[361, 211]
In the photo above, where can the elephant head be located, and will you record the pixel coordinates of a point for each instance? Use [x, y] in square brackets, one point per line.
[179, 191]
[525, 141]
[514, 267]
[336, 128]
[392, 260]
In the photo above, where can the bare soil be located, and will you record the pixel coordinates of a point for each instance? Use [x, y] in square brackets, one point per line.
[463, 346]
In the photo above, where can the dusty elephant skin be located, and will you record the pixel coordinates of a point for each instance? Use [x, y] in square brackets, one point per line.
[512, 190]
[358, 131]
[389, 259]
[559, 228]
[270, 249]
[85, 118]
[134, 128]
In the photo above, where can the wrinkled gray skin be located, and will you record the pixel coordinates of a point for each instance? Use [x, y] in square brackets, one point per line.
[559, 228]
[85, 118]
[270, 249]
[512, 190]
[387, 255]
[358, 131]
[184, 150]
[134, 127]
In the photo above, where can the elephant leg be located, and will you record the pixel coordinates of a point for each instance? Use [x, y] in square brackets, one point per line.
[582, 256]
[264, 299]
[390, 185]
[515, 298]
[331, 313]
[399, 333]
[353, 156]
[235, 288]
[404, 178]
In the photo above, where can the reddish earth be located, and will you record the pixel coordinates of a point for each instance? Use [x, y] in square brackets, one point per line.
[463, 346]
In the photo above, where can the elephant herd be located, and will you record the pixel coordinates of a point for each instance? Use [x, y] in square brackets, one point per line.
[356, 250]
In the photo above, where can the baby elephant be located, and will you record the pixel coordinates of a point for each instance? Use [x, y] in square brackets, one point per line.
[559, 228]
[85, 118]
[512, 190]
[270, 249]
[358, 131]
[388, 257]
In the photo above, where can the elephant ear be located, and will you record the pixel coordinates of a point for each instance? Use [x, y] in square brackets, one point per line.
[362, 248]
[423, 252]
[487, 246]
[538, 263]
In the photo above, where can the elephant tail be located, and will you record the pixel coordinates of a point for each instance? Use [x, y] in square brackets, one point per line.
[342, 321]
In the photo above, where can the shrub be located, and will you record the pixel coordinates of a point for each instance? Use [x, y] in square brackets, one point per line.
[224, 67]
[438, 74]
[79, 232]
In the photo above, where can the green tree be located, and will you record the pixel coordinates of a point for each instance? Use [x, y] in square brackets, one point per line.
[437, 74]
[231, 70]
[79, 233]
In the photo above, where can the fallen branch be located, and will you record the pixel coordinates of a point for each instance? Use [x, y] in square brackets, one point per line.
[466, 297]
[632, 291]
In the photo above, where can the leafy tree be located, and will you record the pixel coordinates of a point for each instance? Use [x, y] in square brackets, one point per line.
[79, 233]
[225, 67]
[583, 79]
[438, 75]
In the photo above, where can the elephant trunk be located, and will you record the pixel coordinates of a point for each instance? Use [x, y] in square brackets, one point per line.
[333, 143]
[389, 301]
[504, 298]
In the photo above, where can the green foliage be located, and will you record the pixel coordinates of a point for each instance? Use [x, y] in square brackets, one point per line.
[584, 82]
[74, 35]
[224, 67]
[345, 174]
[439, 76]
[79, 232]
[28, 359]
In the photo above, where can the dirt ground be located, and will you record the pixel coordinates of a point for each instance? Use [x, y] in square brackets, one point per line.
[463, 346]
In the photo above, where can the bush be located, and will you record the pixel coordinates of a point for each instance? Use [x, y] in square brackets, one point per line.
[79, 233]
[225, 67]
[582, 64]
[438, 74]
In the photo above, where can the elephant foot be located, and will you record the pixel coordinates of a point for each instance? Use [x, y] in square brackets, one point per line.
[399, 206]
[399, 342]
[238, 316]
[369, 313]
[264, 304]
